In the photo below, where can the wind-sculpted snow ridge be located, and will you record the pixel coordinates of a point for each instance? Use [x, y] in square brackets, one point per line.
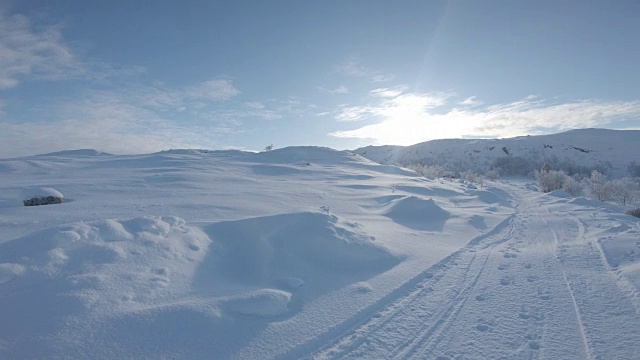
[270, 251]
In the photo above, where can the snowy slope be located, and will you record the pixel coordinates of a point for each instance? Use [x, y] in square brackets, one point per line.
[304, 252]
[584, 147]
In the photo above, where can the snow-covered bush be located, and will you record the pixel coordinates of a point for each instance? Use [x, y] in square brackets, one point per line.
[469, 176]
[633, 212]
[599, 187]
[550, 180]
[480, 180]
[492, 175]
[572, 186]
[623, 191]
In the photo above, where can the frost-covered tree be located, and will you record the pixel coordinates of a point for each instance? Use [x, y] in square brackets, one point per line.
[633, 169]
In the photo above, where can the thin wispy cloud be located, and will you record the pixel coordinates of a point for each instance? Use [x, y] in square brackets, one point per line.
[213, 90]
[115, 122]
[411, 118]
[255, 105]
[27, 51]
[339, 90]
[354, 113]
[388, 92]
[382, 77]
[394, 103]
[140, 119]
[471, 101]
[353, 67]
[112, 134]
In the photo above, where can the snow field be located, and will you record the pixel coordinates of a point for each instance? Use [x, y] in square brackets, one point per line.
[305, 252]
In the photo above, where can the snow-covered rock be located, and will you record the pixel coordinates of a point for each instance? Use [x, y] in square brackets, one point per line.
[41, 196]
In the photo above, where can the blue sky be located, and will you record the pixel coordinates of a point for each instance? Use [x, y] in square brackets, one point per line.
[141, 76]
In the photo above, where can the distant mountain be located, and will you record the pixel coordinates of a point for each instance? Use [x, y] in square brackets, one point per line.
[77, 152]
[575, 151]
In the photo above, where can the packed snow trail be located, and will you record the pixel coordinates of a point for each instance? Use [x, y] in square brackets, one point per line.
[537, 288]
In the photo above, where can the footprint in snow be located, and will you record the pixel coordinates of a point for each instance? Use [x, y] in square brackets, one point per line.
[524, 312]
[533, 341]
[484, 325]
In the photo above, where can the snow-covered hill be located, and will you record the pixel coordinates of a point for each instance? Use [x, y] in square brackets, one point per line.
[304, 252]
[607, 150]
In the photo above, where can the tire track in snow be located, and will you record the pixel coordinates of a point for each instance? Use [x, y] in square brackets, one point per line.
[426, 338]
[354, 333]
[576, 309]
[559, 299]
[587, 348]
[604, 310]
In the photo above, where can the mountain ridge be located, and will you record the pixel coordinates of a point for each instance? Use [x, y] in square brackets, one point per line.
[579, 150]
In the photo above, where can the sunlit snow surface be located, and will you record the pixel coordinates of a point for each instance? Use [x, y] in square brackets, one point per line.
[305, 252]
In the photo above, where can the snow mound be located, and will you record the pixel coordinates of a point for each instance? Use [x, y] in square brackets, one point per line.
[304, 155]
[104, 267]
[417, 213]
[264, 302]
[291, 250]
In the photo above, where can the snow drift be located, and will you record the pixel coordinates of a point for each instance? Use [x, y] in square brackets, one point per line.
[417, 213]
